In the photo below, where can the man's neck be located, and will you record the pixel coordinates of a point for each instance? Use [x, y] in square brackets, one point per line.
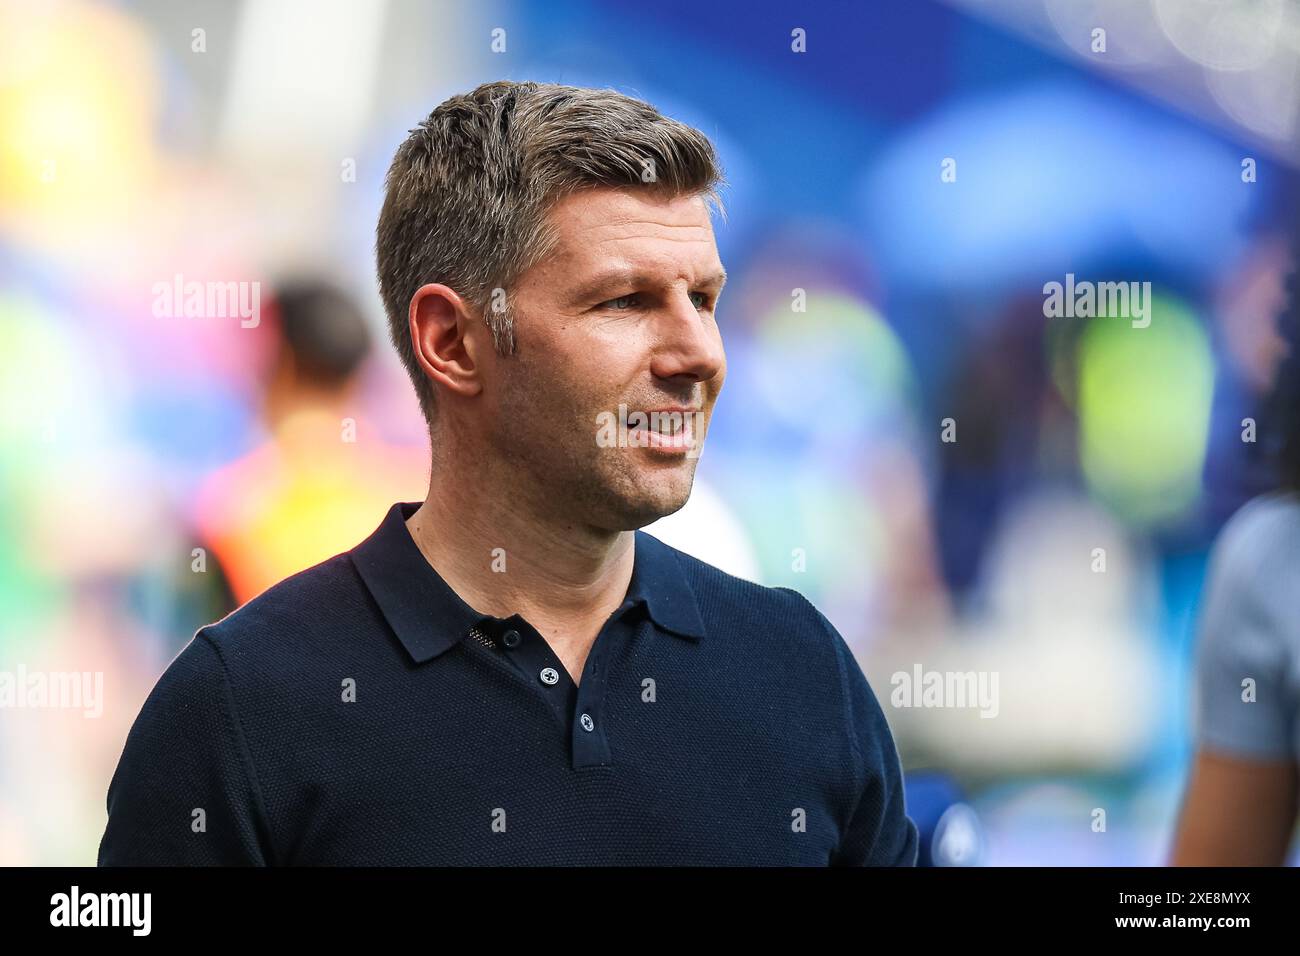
[562, 579]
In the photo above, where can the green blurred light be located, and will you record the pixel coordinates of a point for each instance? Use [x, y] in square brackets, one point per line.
[1144, 409]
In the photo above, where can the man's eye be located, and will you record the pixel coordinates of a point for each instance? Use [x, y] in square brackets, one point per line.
[625, 302]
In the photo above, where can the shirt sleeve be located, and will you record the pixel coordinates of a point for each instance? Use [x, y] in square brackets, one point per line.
[879, 832]
[1244, 704]
[184, 792]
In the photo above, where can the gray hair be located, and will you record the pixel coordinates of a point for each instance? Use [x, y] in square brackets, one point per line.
[468, 191]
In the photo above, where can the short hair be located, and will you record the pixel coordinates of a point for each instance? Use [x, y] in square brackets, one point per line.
[468, 191]
[323, 329]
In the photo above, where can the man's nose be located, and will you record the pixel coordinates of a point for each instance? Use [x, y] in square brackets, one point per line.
[688, 342]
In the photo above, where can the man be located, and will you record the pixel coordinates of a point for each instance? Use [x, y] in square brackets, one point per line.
[562, 689]
[303, 494]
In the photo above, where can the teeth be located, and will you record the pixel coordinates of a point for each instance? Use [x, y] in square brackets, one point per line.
[663, 423]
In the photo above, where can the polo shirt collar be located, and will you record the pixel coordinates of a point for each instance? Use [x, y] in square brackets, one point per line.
[429, 617]
[659, 581]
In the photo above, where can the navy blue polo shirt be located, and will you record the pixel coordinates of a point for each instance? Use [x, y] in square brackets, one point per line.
[361, 713]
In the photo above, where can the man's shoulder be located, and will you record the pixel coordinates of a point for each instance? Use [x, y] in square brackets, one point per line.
[778, 635]
[727, 600]
[307, 606]
[1254, 553]
[1264, 526]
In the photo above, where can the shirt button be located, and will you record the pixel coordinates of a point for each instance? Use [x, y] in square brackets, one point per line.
[549, 675]
[587, 723]
[511, 638]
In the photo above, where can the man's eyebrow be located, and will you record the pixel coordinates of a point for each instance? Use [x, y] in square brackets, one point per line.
[622, 278]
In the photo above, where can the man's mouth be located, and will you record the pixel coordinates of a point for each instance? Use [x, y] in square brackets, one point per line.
[667, 428]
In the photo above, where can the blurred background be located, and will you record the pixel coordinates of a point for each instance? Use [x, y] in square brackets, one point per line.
[920, 170]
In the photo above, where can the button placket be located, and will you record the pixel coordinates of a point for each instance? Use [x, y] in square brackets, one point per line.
[576, 706]
[590, 745]
[533, 659]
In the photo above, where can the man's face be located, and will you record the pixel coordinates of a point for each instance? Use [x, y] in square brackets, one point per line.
[618, 320]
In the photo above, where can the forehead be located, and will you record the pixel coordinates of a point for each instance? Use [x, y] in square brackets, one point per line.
[596, 227]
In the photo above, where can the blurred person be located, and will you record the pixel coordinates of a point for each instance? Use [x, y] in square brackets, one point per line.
[1240, 806]
[511, 672]
[1249, 342]
[312, 489]
[999, 389]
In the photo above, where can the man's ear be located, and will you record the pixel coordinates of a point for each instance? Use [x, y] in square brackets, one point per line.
[441, 327]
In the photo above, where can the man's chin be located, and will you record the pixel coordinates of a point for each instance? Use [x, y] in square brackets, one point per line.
[632, 498]
[646, 509]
